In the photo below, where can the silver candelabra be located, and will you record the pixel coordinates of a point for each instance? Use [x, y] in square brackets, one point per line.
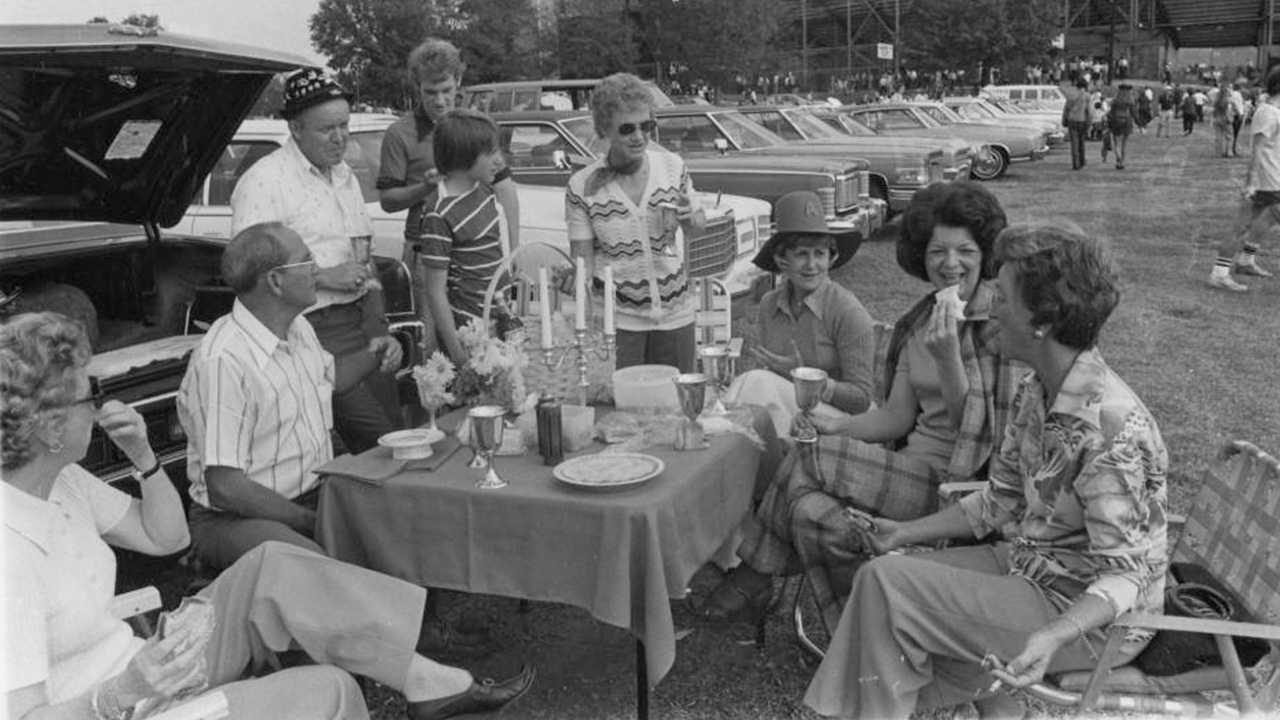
[583, 348]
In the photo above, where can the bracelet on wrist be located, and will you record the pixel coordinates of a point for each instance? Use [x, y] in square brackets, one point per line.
[140, 475]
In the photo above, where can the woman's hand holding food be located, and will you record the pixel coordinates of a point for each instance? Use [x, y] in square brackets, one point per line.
[942, 333]
[163, 667]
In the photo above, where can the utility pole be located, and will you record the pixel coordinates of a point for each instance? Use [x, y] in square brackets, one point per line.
[1111, 45]
[804, 43]
[897, 40]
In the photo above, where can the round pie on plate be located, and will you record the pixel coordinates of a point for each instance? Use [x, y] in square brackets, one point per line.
[608, 471]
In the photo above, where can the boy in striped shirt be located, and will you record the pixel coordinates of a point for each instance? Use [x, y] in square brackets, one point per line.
[458, 246]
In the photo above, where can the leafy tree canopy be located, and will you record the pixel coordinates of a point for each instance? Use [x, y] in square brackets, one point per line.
[942, 34]
[139, 19]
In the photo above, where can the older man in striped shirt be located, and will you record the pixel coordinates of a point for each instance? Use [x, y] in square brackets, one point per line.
[256, 403]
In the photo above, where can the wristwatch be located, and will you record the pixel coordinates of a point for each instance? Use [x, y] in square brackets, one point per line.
[141, 475]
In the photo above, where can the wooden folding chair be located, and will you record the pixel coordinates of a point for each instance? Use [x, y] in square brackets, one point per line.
[1233, 531]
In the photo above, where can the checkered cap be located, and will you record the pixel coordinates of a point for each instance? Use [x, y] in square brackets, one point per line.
[310, 87]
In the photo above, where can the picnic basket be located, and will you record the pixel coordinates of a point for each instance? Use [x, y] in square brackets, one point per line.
[561, 380]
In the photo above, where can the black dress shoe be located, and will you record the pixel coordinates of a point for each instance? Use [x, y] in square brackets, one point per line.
[483, 696]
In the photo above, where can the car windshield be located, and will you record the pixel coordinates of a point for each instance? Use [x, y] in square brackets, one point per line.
[775, 122]
[583, 129]
[895, 119]
[812, 127]
[973, 111]
[855, 126]
[364, 155]
[745, 133]
[943, 115]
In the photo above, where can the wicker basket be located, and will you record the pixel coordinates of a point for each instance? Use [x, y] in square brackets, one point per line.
[560, 380]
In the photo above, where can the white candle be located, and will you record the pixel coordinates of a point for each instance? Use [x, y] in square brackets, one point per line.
[580, 296]
[544, 302]
[608, 300]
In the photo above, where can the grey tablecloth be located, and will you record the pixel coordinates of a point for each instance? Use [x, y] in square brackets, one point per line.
[619, 554]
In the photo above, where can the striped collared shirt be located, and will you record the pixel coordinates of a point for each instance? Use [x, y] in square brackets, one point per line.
[255, 402]
[327, 211]
[460, 233]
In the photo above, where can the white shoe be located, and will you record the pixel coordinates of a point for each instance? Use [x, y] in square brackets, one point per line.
[1224, 282]
[1250, 267]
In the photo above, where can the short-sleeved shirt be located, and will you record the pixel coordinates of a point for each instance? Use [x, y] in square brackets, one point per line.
[832, 331]
[459, 233]
[1080, 489]
[59, 579]
[651, 286]
[1265, 133]
[407, 155]
[255, 402]
[326, 211]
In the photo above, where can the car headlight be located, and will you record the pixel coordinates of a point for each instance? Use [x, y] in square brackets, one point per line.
[911, 176]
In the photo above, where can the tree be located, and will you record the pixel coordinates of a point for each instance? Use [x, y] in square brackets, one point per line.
[941, 34]
[368, 41]
[138, 19]
[594, 41]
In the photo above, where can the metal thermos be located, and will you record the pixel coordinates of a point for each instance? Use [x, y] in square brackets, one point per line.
[550, 431]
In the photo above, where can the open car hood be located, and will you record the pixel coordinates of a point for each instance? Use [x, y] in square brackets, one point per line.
[116, 123]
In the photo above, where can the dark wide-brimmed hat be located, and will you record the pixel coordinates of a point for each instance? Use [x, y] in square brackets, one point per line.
[801, 213]
[308, 88]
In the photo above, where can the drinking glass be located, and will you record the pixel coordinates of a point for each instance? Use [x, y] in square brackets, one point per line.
[362, 253]
[809, 384]
[486, 433]
[715, 364]
[691, 388]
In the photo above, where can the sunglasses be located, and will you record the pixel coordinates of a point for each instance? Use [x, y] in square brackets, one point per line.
[645, 127]
[95, 397]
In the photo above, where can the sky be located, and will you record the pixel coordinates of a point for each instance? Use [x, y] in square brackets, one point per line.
[276, 24]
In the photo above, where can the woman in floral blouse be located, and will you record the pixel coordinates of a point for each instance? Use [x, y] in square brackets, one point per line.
[1076, 495]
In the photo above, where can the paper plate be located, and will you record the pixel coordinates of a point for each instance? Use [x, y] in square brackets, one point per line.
[411, 444]
[608, 471]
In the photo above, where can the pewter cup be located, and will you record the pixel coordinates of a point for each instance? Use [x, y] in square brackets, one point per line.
[809, 384]
[715, 364]
[486, 433]
[362, 254]
[691, 388]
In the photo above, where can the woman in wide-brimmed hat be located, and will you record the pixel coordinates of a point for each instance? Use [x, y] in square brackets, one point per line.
[808, 320]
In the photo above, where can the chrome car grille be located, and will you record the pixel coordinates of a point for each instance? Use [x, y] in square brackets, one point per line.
[936, 171]
[712, 253]
[846, 192]
[152, 391]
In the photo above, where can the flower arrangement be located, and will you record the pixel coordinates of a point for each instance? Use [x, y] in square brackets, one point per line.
[433, 378]
[494, 371]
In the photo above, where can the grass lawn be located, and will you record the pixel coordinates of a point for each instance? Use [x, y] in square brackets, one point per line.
[1203, 360]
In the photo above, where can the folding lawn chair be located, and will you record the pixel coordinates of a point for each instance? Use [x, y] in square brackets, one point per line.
[1233, 531]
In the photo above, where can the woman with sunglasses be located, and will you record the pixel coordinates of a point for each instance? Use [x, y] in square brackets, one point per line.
[67, 656]
[628, 210]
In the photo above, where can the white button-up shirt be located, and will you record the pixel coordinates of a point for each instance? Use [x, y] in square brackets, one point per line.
[255, 402]
[59, 578]
[326, 210]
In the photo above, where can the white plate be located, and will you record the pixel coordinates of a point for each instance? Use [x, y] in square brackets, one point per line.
[608, 471]
[411, 444]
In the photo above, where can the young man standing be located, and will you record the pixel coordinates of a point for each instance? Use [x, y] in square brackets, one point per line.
[408, 171]
[1262, 189]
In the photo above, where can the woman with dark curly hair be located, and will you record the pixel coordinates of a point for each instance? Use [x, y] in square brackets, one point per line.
[938, 424]
[1076, 490]
[67, 655]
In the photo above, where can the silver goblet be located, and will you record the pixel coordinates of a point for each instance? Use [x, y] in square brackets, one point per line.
[691, 388]
[715, 364]
[486, 433]
[809, 384]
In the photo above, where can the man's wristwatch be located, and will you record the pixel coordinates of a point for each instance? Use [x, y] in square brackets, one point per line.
[140, 475]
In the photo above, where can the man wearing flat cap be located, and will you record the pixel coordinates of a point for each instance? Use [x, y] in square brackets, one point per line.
[307, 186]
